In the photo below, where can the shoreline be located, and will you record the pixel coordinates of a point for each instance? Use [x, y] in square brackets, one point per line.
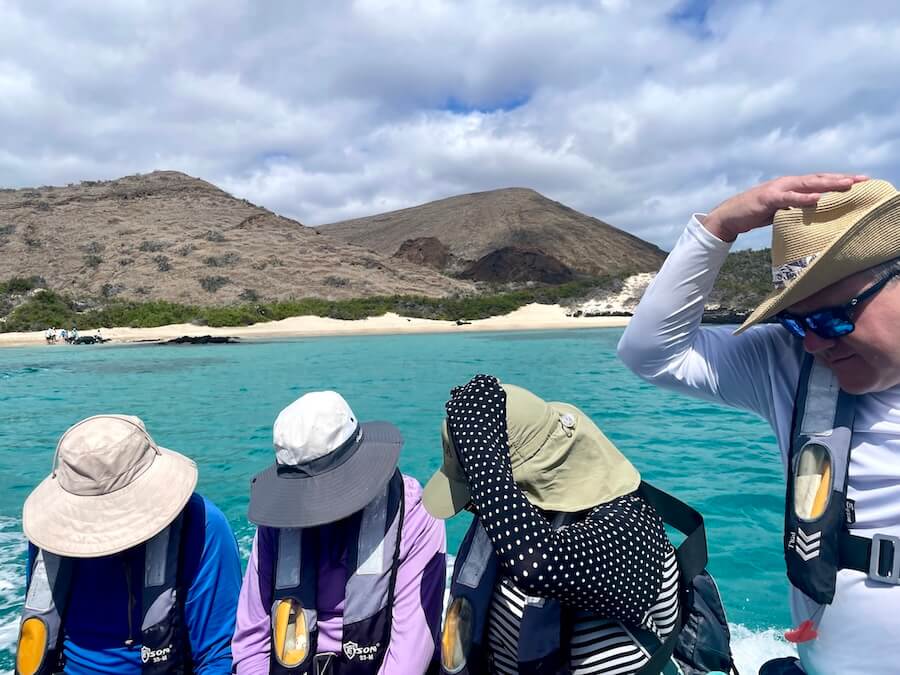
[529, 317]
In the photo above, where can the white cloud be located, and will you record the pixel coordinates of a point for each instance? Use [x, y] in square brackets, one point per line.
[635, 112]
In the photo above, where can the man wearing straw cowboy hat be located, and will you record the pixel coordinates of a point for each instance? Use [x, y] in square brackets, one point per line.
[130, 570]
[347, 570]
[827, 378]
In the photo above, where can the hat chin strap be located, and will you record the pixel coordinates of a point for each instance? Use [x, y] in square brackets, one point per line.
[327, 462]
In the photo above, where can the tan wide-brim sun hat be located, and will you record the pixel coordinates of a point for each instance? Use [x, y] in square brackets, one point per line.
[560, 460]
[112, 487]
[813, 248]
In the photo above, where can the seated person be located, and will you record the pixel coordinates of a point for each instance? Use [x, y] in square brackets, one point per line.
[347, 571]
[129, 569]
[585, 579]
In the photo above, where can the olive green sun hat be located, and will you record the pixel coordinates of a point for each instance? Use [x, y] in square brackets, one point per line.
[560, 459]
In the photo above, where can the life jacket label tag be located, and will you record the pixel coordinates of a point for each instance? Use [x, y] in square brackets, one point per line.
[850, 511]
[362, 652]
[155, 655]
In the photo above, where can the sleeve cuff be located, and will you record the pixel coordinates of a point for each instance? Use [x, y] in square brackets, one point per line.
[710, 241]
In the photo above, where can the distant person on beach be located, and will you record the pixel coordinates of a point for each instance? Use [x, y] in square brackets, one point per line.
[129, 569]
[50, 335]
[567, 567]
[347, 570]
[826, 376]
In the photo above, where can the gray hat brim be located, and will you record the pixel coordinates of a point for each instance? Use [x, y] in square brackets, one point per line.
[294, 499]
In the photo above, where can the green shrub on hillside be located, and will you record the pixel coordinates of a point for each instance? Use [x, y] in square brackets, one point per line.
[151, 246]
[745, 279]
[225, 260]
[213, 284]
[41, 311]
[22, 284]
[92, 260]
[139, 314]
[49, 309]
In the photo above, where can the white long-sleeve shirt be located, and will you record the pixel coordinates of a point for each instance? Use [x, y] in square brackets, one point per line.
[859, 632]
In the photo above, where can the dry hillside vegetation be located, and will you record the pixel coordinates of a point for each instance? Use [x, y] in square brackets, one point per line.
[167, 236]
[514, 234]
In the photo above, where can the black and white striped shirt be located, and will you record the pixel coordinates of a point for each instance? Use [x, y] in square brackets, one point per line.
[599, 646]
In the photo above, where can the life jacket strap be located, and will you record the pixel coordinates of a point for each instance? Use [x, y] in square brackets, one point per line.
[878, 557]
[692, 556]
[692, 553]
[324, 663]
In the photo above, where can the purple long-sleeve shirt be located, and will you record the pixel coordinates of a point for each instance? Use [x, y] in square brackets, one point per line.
[418, 597]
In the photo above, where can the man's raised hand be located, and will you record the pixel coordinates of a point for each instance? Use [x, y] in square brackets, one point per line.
[756, 207]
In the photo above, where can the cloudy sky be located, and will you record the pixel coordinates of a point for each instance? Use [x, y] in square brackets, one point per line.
[638, 112]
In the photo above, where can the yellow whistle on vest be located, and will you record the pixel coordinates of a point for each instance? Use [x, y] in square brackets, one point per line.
[290, 633]
[32, 646]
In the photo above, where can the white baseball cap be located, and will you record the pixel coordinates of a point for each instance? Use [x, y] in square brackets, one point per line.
[328, 465]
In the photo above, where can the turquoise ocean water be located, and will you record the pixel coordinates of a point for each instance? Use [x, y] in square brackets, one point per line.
[217, 404]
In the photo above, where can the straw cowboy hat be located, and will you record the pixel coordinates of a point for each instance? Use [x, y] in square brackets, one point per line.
[845, 233]
[112, 487]
[328, 465]
[560, 460]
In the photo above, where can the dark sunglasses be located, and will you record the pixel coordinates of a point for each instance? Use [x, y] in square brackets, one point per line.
[830, 322]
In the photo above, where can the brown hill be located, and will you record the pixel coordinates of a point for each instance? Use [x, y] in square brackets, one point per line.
[168, 236]
[514, 234]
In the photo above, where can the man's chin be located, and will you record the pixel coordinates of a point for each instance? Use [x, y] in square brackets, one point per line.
[854, 377]
[858, 388]
[859, 382]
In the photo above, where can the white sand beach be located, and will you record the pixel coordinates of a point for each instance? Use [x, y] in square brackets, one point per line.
[529, 317]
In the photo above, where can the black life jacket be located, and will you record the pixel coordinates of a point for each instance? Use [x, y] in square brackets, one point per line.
[700, 643]
[465, 626]
[369, 593]
[818, 513]
[164, 644]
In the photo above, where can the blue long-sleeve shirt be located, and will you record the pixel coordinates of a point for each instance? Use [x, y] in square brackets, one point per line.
[97, 621]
